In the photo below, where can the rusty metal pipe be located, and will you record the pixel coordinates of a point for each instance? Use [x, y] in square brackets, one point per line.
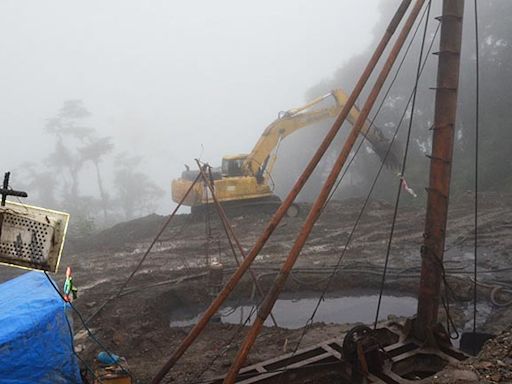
[313, 215]
[230, 233]
[432, 251]
[281, 211]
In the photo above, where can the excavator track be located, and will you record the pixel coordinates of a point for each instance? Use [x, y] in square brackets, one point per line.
[260, 206]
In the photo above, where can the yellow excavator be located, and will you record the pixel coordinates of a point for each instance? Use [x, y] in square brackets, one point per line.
[243, 180]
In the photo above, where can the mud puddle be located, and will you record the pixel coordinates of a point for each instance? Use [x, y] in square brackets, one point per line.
[293, 312]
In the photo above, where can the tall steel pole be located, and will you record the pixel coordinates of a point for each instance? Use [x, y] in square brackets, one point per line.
[319, 203]
[279, 214]
[432, 251]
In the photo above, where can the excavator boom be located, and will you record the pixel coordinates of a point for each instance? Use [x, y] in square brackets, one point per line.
[244, 178]
[259, 162]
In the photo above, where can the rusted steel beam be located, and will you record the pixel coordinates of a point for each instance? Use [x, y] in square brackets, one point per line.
[317, 207]
[281, 211]
[432, 251]
[230, 233]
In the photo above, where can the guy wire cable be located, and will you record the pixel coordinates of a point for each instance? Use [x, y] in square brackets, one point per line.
[404, 162]
[336, 267]
[89, 332]
[477, 121]
[372, 121]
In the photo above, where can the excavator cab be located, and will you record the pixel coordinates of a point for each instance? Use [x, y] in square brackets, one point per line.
[232, 165]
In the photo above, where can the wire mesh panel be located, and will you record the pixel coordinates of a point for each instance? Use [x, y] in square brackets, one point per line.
[31, 237]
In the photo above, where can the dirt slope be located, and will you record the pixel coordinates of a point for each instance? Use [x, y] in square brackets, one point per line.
[136, 325]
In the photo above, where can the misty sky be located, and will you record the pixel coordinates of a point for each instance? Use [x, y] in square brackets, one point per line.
[164, 77]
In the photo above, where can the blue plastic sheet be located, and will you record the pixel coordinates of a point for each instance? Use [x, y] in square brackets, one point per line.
[35, 339]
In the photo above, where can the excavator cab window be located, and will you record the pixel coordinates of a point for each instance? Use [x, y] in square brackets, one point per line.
[232, 167]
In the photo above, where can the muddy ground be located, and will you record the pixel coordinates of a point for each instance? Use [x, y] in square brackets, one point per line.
[136, 325]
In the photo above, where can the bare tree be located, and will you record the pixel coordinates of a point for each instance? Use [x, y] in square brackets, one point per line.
[94, 151]
[137, 194]
[68, 130]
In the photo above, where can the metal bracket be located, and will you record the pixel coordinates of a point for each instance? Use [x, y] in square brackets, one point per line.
[446, 52]
[439, 127]
[428, 189]
[438, 159]
[444, 89]
[447, 16]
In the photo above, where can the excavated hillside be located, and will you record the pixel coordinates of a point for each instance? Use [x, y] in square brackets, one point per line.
[155, 311]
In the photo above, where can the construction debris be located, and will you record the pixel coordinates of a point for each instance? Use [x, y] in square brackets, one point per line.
[492, 365]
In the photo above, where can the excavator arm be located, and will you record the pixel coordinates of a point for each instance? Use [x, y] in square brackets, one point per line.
[243, 179]
[261, 159]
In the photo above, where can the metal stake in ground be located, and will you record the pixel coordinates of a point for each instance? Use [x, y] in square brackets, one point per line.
[313, 215]
[432, 250]
[229, 232]
[285, 205]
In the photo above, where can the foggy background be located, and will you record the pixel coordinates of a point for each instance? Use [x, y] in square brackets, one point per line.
[102, 103]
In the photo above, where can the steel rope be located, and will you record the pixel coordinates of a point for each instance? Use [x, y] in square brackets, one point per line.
[477, 120]
[337, 266]
[404, 163]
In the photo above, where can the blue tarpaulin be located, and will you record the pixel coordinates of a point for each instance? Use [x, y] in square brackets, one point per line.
[35, 339]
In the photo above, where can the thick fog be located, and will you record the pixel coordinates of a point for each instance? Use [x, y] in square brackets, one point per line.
[167, 81]
[495, 66]
[103, 102]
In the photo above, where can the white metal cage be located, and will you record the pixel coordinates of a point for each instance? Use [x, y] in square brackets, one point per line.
[31, 237]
